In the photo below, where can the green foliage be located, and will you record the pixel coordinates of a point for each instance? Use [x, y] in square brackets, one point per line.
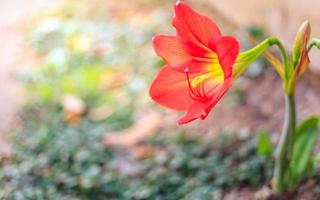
[264, 144]
[77, 54]
[55, 160]
[303, 158]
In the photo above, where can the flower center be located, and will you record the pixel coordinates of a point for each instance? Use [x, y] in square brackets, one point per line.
[203, 86]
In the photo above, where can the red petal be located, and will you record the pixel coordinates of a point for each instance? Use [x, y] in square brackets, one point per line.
[193, 66]
[227, 49]
[200, 110]
[224, 88]
[170, 89]
[193, 26]
[170, 49]
[194, 112]
[177, 54]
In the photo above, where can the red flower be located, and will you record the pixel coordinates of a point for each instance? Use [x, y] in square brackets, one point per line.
[199, 62]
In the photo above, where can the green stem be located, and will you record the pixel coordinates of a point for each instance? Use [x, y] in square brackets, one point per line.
[285, 146]
[285, 60]
[284, 55]
[246, 58]
[313, 42]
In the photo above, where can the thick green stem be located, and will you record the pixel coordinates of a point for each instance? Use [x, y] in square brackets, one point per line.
[285, 146]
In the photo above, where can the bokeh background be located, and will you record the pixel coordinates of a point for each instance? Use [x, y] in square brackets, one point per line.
[76, 121]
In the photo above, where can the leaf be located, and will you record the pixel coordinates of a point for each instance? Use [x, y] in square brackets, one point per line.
[245, 58]
[74, 104]
[264, 146]
[303, 157]
[73, 108]
[278, 66]
[144, 128]
[44, 91]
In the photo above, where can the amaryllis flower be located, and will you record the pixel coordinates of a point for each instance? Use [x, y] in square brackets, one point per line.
[199, 65]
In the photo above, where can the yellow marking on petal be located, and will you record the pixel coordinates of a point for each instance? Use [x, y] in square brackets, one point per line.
[198, 80]
[213, 73]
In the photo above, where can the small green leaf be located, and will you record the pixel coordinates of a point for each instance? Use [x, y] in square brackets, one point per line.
[45, 91]
[303, 155]
[245, 58]
[264, 146]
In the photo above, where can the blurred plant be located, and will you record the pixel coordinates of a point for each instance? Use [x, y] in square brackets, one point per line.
[201, 65]
[96, 62]
[57, 160]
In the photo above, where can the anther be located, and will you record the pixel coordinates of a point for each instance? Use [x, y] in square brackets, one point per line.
[203, 113]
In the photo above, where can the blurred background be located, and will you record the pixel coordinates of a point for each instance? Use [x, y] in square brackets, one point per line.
[76, 121]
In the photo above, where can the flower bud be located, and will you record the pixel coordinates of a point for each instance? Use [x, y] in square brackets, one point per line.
[300, 57]
[301, 42]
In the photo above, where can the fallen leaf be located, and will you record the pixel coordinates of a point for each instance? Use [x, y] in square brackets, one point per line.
[73, 108]
[262, 194]
[73, 104]
[110, 80]
[145, 127]
[100, 113]
[143, 152]
[71, 118]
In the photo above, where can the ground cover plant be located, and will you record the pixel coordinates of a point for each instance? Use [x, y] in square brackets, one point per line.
[56, 160]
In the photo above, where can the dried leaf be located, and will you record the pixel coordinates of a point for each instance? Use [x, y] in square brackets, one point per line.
[141, 130]
[73, 108]
[143, 152]
[100, 113]
[73, 104]
[262, 194]
[72, 118]
[110, 80]
[275, 63]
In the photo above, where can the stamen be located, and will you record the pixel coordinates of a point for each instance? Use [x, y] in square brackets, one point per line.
[203, 113]
[196, 92]
[191, 91]
[203, 91]
[202, 86]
